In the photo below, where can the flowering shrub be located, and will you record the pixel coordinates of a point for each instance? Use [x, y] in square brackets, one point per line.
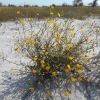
[59, 55]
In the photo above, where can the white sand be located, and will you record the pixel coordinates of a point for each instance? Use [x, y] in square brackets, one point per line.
[8, 71]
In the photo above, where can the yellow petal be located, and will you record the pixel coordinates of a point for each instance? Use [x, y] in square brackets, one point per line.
[79, 71]
[66, 71]
[46, 53]
[51, 13]
[57, 39]
[70, 58]
[73, 34]
[34, 71]
[69, 46]
[79, 66]
[57, 33]
[59, 14]
[42, 62]
[22, 21]
[18, 12]
[67, 93]
[52, 7]
[54, 73]
[47, 68]
[69, 67]
[35, 58]
[73, 79]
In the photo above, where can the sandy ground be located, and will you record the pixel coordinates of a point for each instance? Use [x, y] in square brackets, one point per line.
[9, 78]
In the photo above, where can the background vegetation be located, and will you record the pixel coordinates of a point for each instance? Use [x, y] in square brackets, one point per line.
[10, 13]
[76, 10]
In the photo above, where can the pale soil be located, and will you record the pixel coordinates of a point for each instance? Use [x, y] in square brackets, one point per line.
[9, 78]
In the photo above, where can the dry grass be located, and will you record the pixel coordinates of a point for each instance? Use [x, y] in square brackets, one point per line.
[9, 13]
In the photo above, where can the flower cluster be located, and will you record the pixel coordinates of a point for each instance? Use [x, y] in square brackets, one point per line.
[59, 55]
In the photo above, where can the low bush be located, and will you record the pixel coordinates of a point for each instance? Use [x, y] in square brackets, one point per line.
[58, 54]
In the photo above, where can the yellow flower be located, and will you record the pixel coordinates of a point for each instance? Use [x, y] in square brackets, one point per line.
[51, 13]
[34, 71]
[18, 12]
[79, 66]
[67, 49]
[57, 39]
[73, 79]
[70, 28]
[66, 71]
[73, 61]
[59, 14]
[22, 21]
[42, 62]
[52, 7]
[57, 46]
[46, 53]
[73, 34]
[70, 58]
[49, 22]
[57, 33]
[43, 47]
[47, 68]
[86, 59]
[67, 93]
[35, 58]
[30, 19]
[28, 42]
[94, 54]
[69, 46]
[73, 19]
[54, 73]
[69, 67]
[82, 30]
[79, 71]
[42, 65]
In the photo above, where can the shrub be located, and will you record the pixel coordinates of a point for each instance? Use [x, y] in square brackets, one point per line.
[59, 55]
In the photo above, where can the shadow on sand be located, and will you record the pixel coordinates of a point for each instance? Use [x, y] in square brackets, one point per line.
[13, 86]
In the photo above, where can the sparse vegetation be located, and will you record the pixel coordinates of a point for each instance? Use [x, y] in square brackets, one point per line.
[9, 13]
[59, 56]
[59, 52]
